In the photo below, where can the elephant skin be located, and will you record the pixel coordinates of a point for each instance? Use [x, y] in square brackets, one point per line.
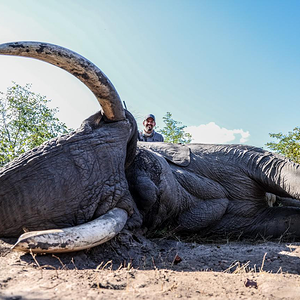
[224, 189]
[69, 180]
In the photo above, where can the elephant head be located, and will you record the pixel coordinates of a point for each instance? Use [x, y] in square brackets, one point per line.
[75, 178]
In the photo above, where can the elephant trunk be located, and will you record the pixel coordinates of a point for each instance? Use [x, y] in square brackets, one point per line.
[78, 66]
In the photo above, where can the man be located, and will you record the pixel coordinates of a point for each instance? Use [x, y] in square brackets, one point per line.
[149, 134]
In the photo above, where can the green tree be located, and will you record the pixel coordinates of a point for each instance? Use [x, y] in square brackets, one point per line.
[287, 145]
[173, 132]
[25, 122]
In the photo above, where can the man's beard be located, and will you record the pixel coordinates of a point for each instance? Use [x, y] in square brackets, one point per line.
[149, 128]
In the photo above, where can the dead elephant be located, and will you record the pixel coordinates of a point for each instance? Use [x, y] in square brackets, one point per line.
[79, 190]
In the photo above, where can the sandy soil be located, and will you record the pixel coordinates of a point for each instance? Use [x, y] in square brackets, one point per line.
[132, 267]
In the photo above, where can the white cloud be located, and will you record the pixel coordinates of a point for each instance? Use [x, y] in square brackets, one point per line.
[211, 133]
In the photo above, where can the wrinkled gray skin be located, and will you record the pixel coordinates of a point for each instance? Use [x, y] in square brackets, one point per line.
[207, 189]
[222, 189]
[69, 180]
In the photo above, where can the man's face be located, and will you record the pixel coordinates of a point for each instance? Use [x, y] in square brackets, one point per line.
[149, 124]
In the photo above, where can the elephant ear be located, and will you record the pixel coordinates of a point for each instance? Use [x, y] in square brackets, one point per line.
[178, 154]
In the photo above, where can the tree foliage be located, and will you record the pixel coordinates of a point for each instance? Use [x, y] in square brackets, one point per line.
[287, 145]
[25, 121]
[173, 131]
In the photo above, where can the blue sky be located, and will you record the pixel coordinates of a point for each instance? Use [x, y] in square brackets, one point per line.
[228, 69]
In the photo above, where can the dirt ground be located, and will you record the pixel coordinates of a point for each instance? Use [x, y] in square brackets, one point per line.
[132, 267]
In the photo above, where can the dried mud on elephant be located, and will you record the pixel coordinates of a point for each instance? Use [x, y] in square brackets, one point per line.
[127, 268]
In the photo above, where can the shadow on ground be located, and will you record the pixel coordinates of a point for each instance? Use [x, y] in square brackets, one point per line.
[136, 251]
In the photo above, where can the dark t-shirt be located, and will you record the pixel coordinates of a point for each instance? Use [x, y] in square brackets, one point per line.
[154, 137]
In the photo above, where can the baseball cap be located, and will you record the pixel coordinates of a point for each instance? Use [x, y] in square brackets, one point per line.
[149, 116]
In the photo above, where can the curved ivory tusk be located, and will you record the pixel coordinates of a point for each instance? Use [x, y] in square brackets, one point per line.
[76, 238]
[78, 66]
